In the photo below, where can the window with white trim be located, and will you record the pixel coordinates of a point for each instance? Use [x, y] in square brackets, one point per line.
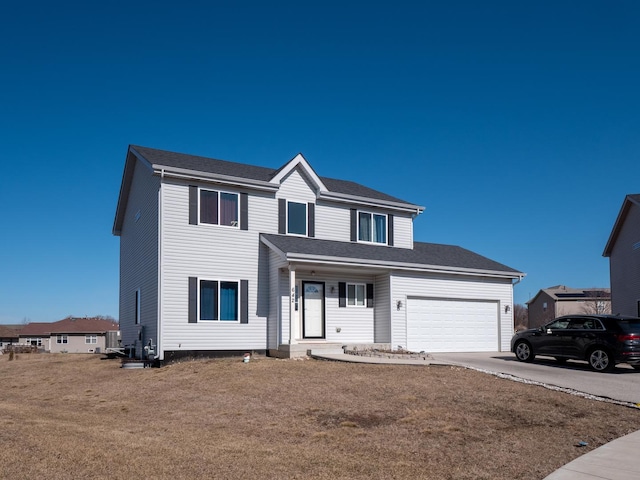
[372, 227]
[62, 339]
[356, 294]
[36, 342]
[219, 208]
[297, 218]
[218, 300]
[90, 339]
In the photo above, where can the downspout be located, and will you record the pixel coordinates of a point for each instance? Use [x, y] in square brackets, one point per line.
[159, 350]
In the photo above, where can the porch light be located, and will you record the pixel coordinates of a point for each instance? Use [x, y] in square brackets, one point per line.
[399, 304]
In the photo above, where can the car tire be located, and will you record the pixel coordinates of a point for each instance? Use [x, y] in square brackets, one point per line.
[600, 360]
[523, 351]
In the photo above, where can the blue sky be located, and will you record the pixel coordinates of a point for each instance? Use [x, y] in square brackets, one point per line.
[516, 124]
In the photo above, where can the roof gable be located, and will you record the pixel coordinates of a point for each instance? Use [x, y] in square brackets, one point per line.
[299, 162]
[629, 202]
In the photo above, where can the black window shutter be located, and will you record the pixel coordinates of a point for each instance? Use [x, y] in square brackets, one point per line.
[390, 228]
[244, 301]
[311, 214]
[354, 225]
[342, 294]
[244, 212]
[369, 295]
[193, 205]
[193, 300]
[282, 216]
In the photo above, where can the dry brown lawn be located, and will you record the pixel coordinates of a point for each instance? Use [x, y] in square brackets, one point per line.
[78, 416]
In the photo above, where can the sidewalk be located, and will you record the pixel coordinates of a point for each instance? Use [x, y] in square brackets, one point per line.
[612, 461]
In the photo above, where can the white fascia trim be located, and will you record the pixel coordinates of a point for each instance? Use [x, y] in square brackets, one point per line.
[370, 202]
[299, 160]
[303, 258]
[185, 174]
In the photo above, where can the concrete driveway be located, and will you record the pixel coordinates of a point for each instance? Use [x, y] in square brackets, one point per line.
[622, 385]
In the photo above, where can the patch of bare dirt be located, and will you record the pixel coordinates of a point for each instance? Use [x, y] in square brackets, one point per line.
[77, 416]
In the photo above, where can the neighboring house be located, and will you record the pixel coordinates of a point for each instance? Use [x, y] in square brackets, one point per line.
[623, 250]
[217, 256]
[9, 335]
[71, 335]
[554, 302]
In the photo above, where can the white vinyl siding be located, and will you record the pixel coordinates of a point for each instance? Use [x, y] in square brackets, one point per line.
[450, 287]
[333, 222]
[296, 188]
[263, 212]
[139, 257]
[277, 283]
[402, 231]
[225, 253]
[382, 309]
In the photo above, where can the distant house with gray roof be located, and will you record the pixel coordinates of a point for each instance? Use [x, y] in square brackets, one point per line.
[553, 302]
[223, 257]
[623, 251]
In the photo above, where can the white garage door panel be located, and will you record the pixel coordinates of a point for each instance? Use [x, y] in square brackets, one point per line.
[452, 325]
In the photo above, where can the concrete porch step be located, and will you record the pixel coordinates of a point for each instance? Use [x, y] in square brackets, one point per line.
[327, 351]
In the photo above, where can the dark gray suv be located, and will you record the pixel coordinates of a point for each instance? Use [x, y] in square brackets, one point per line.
[601, 340]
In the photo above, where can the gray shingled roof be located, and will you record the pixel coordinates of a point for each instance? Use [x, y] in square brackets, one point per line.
[425, 254]
[253, 172]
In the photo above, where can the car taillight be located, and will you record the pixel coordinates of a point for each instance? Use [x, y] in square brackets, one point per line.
[629, 337]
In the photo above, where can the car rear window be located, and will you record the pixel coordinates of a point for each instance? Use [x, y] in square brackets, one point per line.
[630, 325]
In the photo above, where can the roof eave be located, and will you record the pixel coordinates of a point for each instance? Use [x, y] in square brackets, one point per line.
[360, 262]
[367, 201]
[186, 174]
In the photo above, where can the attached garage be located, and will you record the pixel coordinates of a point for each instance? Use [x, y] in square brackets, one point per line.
[452, 325]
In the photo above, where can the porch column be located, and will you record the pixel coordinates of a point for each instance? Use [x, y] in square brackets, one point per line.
[293, 323]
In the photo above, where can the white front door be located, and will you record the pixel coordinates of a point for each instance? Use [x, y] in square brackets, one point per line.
[313, 310]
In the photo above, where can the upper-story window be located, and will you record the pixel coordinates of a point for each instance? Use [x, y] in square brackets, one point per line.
[297, 218]
[372, 227]
[219, 208]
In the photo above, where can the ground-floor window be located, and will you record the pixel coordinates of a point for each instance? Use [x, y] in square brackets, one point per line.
[219, 300]
[91, 339]
[356, 294]
[62, 339]
[36, 342]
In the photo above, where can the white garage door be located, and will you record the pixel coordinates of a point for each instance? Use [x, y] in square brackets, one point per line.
[452, 325]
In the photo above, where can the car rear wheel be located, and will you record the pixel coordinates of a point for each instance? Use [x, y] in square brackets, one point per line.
[600, 360]
[523, 352]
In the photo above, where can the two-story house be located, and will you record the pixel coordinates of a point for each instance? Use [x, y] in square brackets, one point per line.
[553, 302]
[217, 256]
[623, 250]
